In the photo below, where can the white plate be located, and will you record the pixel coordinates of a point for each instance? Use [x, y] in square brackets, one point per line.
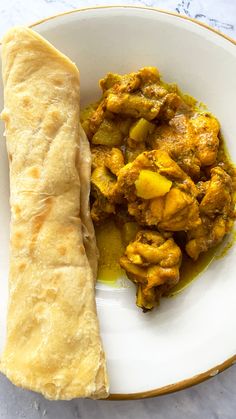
[196, 331]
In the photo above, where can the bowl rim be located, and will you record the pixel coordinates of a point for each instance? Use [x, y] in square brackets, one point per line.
[123, 6]
[199, 378]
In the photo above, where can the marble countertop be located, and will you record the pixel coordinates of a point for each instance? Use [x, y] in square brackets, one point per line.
[214, 399]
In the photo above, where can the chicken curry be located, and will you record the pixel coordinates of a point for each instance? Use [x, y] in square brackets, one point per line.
[160, 175]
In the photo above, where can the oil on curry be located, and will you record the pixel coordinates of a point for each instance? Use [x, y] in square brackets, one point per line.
[162, 185]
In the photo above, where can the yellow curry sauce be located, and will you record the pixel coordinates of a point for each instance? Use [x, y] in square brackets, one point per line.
[162, 185]
[111, 245]
[111, 248]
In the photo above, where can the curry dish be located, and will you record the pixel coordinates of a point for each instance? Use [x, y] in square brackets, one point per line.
[160, 173]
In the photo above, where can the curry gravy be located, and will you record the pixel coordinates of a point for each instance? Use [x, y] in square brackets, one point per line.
[111, 246]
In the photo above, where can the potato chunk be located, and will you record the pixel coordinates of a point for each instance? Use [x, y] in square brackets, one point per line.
[140, 130]
[151, 185]
[108, 134]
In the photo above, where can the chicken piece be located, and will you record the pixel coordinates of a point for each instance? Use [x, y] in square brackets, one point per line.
[132, 150]
[202, 188]
[106, 164]
[121, 97]
[219, 195]
[136, 95]
[210, 233]
[224, 162]
[101, 209]
[99, 155]
[217, 214]
[134, 105]
[191, 142]
[171, 101]
[100, 127]
[155, 102]
[177, 139]
[115, 161]
[96, 119]
[172, 104]
[154, 91]
[113, 158]
[180, 210]
[206, 129]
[85, 116]
[109, 81]
[149, 75]
[176, 210]
[103, 181]
[104, 190]
[151, 261]
[128, 83]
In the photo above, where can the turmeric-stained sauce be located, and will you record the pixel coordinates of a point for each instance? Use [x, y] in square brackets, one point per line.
[111, 248]
[111, 244]
[189, 270]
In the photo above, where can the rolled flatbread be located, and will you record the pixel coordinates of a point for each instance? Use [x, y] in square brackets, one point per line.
[53, 343]
[87, 224]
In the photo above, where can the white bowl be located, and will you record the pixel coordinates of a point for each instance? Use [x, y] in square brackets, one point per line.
[192, 336]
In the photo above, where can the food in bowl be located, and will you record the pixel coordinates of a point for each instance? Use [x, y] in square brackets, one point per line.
[161, 175]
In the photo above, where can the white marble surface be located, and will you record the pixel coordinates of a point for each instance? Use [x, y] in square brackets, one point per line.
[214, 399]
